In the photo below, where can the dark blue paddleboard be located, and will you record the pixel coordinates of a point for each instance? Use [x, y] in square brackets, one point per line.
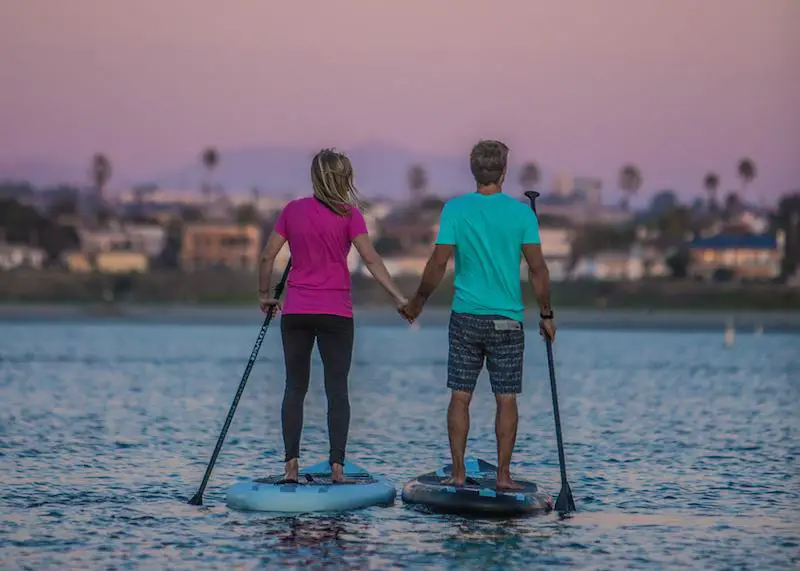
[479, 495]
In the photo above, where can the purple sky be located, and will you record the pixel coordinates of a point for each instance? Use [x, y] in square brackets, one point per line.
[677, 86]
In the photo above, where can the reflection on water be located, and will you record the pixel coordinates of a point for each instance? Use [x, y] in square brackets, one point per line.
[679, 453]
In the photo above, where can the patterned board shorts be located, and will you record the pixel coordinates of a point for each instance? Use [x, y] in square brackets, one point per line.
[498, 340]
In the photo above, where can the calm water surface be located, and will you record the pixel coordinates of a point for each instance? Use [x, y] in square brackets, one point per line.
[681, 453]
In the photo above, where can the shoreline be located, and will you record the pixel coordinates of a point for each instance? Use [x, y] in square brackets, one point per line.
[208, 314]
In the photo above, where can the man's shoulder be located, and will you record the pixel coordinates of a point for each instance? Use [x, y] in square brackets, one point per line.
[457, 201]
[515, 203]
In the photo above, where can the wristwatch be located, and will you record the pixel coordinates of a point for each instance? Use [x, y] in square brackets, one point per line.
[546, 316]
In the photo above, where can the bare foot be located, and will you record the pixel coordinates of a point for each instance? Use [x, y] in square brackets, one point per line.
[454, 481]
[337, 474]
[291, 470]
[507, 484]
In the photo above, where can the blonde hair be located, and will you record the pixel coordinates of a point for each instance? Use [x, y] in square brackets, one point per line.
[332, 180]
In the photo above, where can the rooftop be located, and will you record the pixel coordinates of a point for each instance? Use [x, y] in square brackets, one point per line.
[745, 241]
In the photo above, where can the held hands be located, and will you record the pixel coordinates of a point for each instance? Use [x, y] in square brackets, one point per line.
[411, 310]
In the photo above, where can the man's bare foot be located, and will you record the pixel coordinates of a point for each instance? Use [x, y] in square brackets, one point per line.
[505, 483]
[453, 481]
[457, 478]
[337, 474]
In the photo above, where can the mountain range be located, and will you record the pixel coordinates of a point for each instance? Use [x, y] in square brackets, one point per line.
[381, 170]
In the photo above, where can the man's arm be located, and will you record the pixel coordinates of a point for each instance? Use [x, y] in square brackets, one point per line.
[434, 271]
[267, 263]
[538, 275]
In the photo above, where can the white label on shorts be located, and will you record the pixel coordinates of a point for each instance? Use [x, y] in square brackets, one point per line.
[507, 325]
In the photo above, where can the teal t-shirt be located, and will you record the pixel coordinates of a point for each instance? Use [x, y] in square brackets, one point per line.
[488, 232]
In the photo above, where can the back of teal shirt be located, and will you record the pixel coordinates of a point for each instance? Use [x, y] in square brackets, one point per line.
[488, 232]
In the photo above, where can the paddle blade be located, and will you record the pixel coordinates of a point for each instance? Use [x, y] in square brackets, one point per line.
[197, 499]
[564, 502]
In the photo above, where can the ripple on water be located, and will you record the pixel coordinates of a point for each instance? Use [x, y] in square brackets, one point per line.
[680, 453]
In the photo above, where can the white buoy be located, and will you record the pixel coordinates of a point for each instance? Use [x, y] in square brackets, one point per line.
[730, 334]
[759, 330]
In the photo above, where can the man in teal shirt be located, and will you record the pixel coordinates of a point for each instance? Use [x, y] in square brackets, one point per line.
[489, 232]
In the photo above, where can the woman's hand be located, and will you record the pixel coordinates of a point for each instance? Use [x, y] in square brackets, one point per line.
[267, 303]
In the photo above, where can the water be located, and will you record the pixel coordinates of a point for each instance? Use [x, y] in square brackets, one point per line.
[681, 453]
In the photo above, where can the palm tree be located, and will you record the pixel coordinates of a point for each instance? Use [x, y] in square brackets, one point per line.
[529, 176]
[417, 182]
[711, 184]
[747, 172]
[101, 174]
[630, 181]
[210, 160]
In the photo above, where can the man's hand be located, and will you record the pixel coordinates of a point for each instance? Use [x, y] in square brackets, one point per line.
[266, 302]
[547, 329]
[412, 309]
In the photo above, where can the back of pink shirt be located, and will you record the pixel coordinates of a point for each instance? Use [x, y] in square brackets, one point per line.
[319, 241]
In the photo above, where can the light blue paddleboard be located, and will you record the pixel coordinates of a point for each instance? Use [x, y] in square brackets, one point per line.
[314, 492]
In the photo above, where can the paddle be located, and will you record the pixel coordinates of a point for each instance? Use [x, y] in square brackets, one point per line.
[564, 502]
[197, 499]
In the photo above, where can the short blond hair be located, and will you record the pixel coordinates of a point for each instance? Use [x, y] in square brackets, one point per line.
[332, 180]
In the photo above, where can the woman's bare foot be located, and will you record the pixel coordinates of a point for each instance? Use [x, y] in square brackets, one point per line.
[337, 474]
[291, 470]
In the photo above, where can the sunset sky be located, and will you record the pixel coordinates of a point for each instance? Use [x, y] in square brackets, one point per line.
[678, 87]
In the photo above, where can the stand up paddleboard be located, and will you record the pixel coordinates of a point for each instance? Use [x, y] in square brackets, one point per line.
[478, 496]
[314, 491]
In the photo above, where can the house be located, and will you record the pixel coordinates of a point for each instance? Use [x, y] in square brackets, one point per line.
[14, 256]
[743, 256]
[557, 250]
[610, 265]
[121, 262]
[149, 239]
[77, 262]
[230, 246]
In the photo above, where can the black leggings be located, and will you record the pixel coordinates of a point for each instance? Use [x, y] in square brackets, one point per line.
[334, 336]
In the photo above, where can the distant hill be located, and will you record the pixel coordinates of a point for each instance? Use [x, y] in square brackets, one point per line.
[43, 173]
[381, 170]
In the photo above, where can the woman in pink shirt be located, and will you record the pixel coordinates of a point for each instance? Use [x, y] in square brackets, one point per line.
[318, 306]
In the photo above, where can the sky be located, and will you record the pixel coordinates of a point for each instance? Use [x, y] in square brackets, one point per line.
[678, 87]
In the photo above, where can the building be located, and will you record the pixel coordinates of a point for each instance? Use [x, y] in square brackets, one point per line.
[580, 206]
[609, 265]
[557, 250]
[13, 256]
[121, 262]
[741, 257]
[229, 246]
[77, 262]
[149, 239]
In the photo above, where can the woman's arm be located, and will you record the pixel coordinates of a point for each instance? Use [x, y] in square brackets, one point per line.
[266, 264]
[377, 268]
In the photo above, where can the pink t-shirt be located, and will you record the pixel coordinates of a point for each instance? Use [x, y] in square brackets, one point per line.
[319, 241]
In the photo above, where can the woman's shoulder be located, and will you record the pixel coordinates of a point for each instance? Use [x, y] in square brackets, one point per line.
[297, 203]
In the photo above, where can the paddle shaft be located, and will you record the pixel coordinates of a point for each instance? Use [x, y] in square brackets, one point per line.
[551, 365]
[565, 501]
[197, 499]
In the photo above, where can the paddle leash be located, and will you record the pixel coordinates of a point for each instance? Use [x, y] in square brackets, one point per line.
[197, 499]
[564, 503]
